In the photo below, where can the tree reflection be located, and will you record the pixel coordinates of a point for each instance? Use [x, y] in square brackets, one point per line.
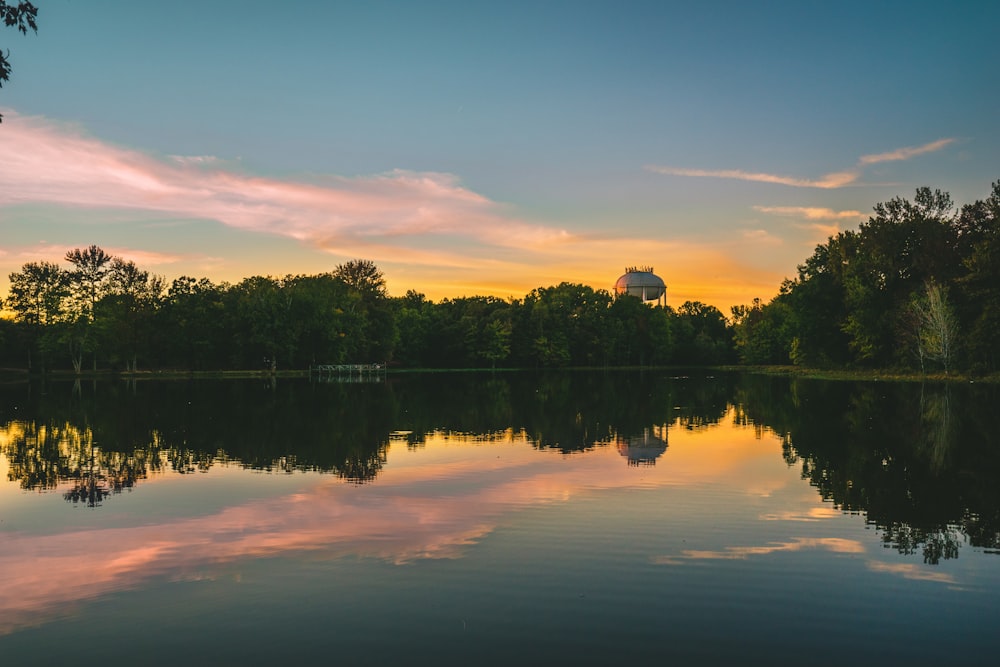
[93, 440]
[42, 456]
[920, 461]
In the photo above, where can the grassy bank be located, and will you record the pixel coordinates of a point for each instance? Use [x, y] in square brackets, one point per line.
[862, 375]
[855, 375]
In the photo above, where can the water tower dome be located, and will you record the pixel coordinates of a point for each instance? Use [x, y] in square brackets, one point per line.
[643, 283]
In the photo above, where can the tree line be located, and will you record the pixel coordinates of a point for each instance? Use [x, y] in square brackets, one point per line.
[103, 312]
[916, 286]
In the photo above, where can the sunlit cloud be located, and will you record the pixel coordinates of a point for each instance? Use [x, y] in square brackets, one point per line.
[905, 153]
[815, 217]
[833, 180]
[426, 230]
[827, 182]
[45, 162]
[911, 571]
[810, 212]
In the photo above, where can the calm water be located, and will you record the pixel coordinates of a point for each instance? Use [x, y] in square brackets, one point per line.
[453, 519]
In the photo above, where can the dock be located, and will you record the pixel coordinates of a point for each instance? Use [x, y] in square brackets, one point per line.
[348, 372]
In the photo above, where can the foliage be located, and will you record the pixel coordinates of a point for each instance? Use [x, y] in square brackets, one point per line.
[21, 17]
[934, 327]
[914, 283]
[917, 282]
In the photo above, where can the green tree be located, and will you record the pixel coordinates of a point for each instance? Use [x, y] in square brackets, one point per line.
[642, 334]
[495, 340]
[703, 335]
[900, 247]
[371, 308]
[194, 325]
[936, 333]
[265, 325]
[979, 289]
[363, 276]
[88, 283]
[413, 315]
[322, 328]
[761, 332]
[38, 295]
[128, 310]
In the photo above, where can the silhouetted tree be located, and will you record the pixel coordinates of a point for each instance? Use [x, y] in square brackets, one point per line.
[88, 282]
[38, 294]
[22, 17]
[364, 276]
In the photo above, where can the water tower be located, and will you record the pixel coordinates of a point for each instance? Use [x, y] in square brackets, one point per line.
[640, 281]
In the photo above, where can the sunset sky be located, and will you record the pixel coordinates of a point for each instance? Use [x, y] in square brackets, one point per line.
[474, 148]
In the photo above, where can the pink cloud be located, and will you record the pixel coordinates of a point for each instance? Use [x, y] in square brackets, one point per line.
[810, 212]
[45, 162]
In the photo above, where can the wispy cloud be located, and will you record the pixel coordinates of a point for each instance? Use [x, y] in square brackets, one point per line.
[425, 229]
[829, 181]
[833, 180]
[810, 212]
[905, 153]
[45, 162]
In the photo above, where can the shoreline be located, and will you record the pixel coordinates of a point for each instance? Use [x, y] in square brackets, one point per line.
[843, 375]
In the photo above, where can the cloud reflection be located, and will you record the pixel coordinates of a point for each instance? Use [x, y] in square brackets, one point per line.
[911, 571]
[432, 510]
[433, 502]
[832, 544]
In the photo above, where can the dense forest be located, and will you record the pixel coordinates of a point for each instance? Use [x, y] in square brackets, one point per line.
[917, 287]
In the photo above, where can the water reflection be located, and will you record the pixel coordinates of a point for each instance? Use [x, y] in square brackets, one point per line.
[673, 473]
[920, 462]
[419, 510]
[104, 439]
[643, 450]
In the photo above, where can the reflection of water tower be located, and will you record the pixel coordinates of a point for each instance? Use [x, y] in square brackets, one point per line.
[643, 450]
[640, 281]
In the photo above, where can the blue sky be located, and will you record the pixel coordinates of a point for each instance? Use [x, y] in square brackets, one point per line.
[487, 148]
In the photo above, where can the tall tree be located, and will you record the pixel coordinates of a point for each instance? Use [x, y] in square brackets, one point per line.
[936, 333]
[38, 294]
[193, 325]
[364, 276]
[133, 296]
[979, 289]
[366, 282]
[88, 282]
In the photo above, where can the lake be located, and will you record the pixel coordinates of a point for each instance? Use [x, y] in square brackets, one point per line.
[576, 518]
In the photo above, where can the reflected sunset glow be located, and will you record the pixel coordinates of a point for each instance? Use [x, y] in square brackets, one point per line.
[434, 501]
